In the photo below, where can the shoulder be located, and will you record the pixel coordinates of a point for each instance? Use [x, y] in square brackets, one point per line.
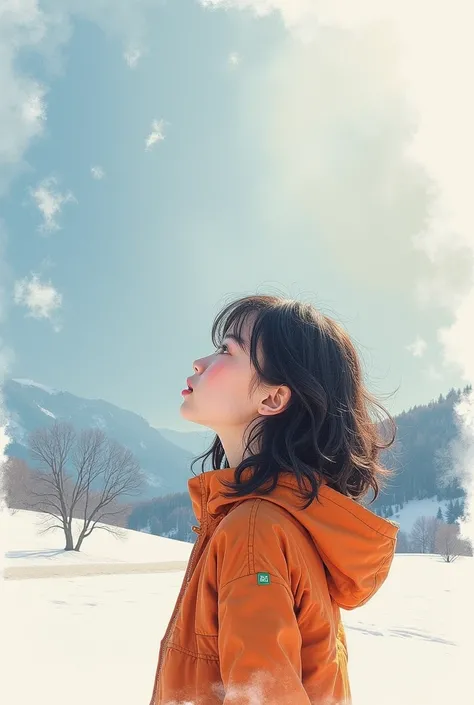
[262, 518]
[257, 536]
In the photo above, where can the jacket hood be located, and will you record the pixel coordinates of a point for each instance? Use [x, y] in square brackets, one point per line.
[356, 545]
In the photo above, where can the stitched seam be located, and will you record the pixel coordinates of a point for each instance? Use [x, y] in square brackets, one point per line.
[251, 552]
[214, 636]
[204, 515]
[251, 530]
[188, 652]
[329, 499]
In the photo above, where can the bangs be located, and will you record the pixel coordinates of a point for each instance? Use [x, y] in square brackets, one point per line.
[230, 323]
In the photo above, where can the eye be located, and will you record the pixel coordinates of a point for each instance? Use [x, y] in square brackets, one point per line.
[222, 348]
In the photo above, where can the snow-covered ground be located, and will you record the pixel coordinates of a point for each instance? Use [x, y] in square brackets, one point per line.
[27, 544]
[95, 640]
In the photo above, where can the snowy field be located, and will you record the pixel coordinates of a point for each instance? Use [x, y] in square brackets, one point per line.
[32, 553]
[95, 639]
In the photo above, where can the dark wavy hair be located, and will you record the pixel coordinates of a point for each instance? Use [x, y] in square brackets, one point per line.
[326, 432]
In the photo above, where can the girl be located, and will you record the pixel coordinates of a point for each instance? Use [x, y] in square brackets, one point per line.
[257, 619]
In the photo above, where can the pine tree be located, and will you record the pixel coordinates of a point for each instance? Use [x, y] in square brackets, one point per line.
[450, 513]
[439, 515]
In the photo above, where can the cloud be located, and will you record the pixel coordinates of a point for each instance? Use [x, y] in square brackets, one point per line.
[234, 59]
[50, 202]
[368, 134]
[156, 135]
[22, 101]
[41, 29]
[97, 172]
[40, 298]
[132, 55]
[418, 347]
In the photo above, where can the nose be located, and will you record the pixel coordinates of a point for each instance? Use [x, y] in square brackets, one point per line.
[198, 366]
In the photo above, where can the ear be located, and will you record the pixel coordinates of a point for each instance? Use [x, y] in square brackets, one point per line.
[275, 402]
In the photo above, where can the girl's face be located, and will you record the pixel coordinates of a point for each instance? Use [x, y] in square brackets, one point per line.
[221, 385]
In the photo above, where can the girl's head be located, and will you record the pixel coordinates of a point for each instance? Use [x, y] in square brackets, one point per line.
[285, 386]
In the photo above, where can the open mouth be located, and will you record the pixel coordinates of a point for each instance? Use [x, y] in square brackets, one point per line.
[188, 389]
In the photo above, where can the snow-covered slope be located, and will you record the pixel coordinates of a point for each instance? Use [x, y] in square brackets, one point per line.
[33, 553]
[415, 508]
[27, 544]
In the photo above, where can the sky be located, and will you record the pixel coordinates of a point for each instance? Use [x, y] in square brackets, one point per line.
[159, 158]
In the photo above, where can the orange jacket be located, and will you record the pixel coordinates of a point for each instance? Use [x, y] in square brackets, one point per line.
[257, 618]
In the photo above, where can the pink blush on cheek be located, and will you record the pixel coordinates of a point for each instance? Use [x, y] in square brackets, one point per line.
[216, 373]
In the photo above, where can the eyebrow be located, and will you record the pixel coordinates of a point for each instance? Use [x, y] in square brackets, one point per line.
[237, 339]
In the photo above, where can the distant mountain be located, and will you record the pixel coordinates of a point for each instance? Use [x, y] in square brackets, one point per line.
[420, 456]
[31, 405]
[195, 442]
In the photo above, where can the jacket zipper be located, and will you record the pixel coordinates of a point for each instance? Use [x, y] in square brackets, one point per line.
[174, 616]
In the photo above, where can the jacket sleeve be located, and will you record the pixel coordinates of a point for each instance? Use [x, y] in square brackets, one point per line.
[259, 643]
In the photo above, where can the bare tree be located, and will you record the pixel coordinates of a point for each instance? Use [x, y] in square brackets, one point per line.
[449, 545]
[403, 543]
[432, 524]
[423, 535]
[82, 476]
[18, 481]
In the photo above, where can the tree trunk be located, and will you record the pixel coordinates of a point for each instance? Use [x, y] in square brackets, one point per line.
[79, 541]
[69, 540]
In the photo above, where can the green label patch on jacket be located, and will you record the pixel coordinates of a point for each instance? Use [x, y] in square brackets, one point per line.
[263, 579]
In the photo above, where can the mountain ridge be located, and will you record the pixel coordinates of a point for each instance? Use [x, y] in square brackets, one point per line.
[31, 405]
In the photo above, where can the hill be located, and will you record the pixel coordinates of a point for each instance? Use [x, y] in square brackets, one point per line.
[31, 405]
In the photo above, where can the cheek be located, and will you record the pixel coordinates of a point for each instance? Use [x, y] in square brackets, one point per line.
[217, 373]
[226, 375]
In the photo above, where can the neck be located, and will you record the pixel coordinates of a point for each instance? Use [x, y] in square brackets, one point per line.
[234, 441]
[233, 448]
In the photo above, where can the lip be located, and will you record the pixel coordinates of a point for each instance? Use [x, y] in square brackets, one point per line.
[188, 382]
[185, 392]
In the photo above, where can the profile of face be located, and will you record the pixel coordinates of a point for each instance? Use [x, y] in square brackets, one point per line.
[225, 391]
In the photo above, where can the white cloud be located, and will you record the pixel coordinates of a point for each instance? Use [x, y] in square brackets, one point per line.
[50, 202]
[41, 29]
[234, 59]
[40, 298]
[34, 108]
[97, 172]
[157, 134]
[132, 55]
[22, 99]
[368, 131]
[418, 347]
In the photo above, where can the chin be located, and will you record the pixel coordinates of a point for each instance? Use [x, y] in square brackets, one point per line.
[186, 413]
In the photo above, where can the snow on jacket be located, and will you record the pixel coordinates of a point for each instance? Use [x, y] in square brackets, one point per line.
[257, 619]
